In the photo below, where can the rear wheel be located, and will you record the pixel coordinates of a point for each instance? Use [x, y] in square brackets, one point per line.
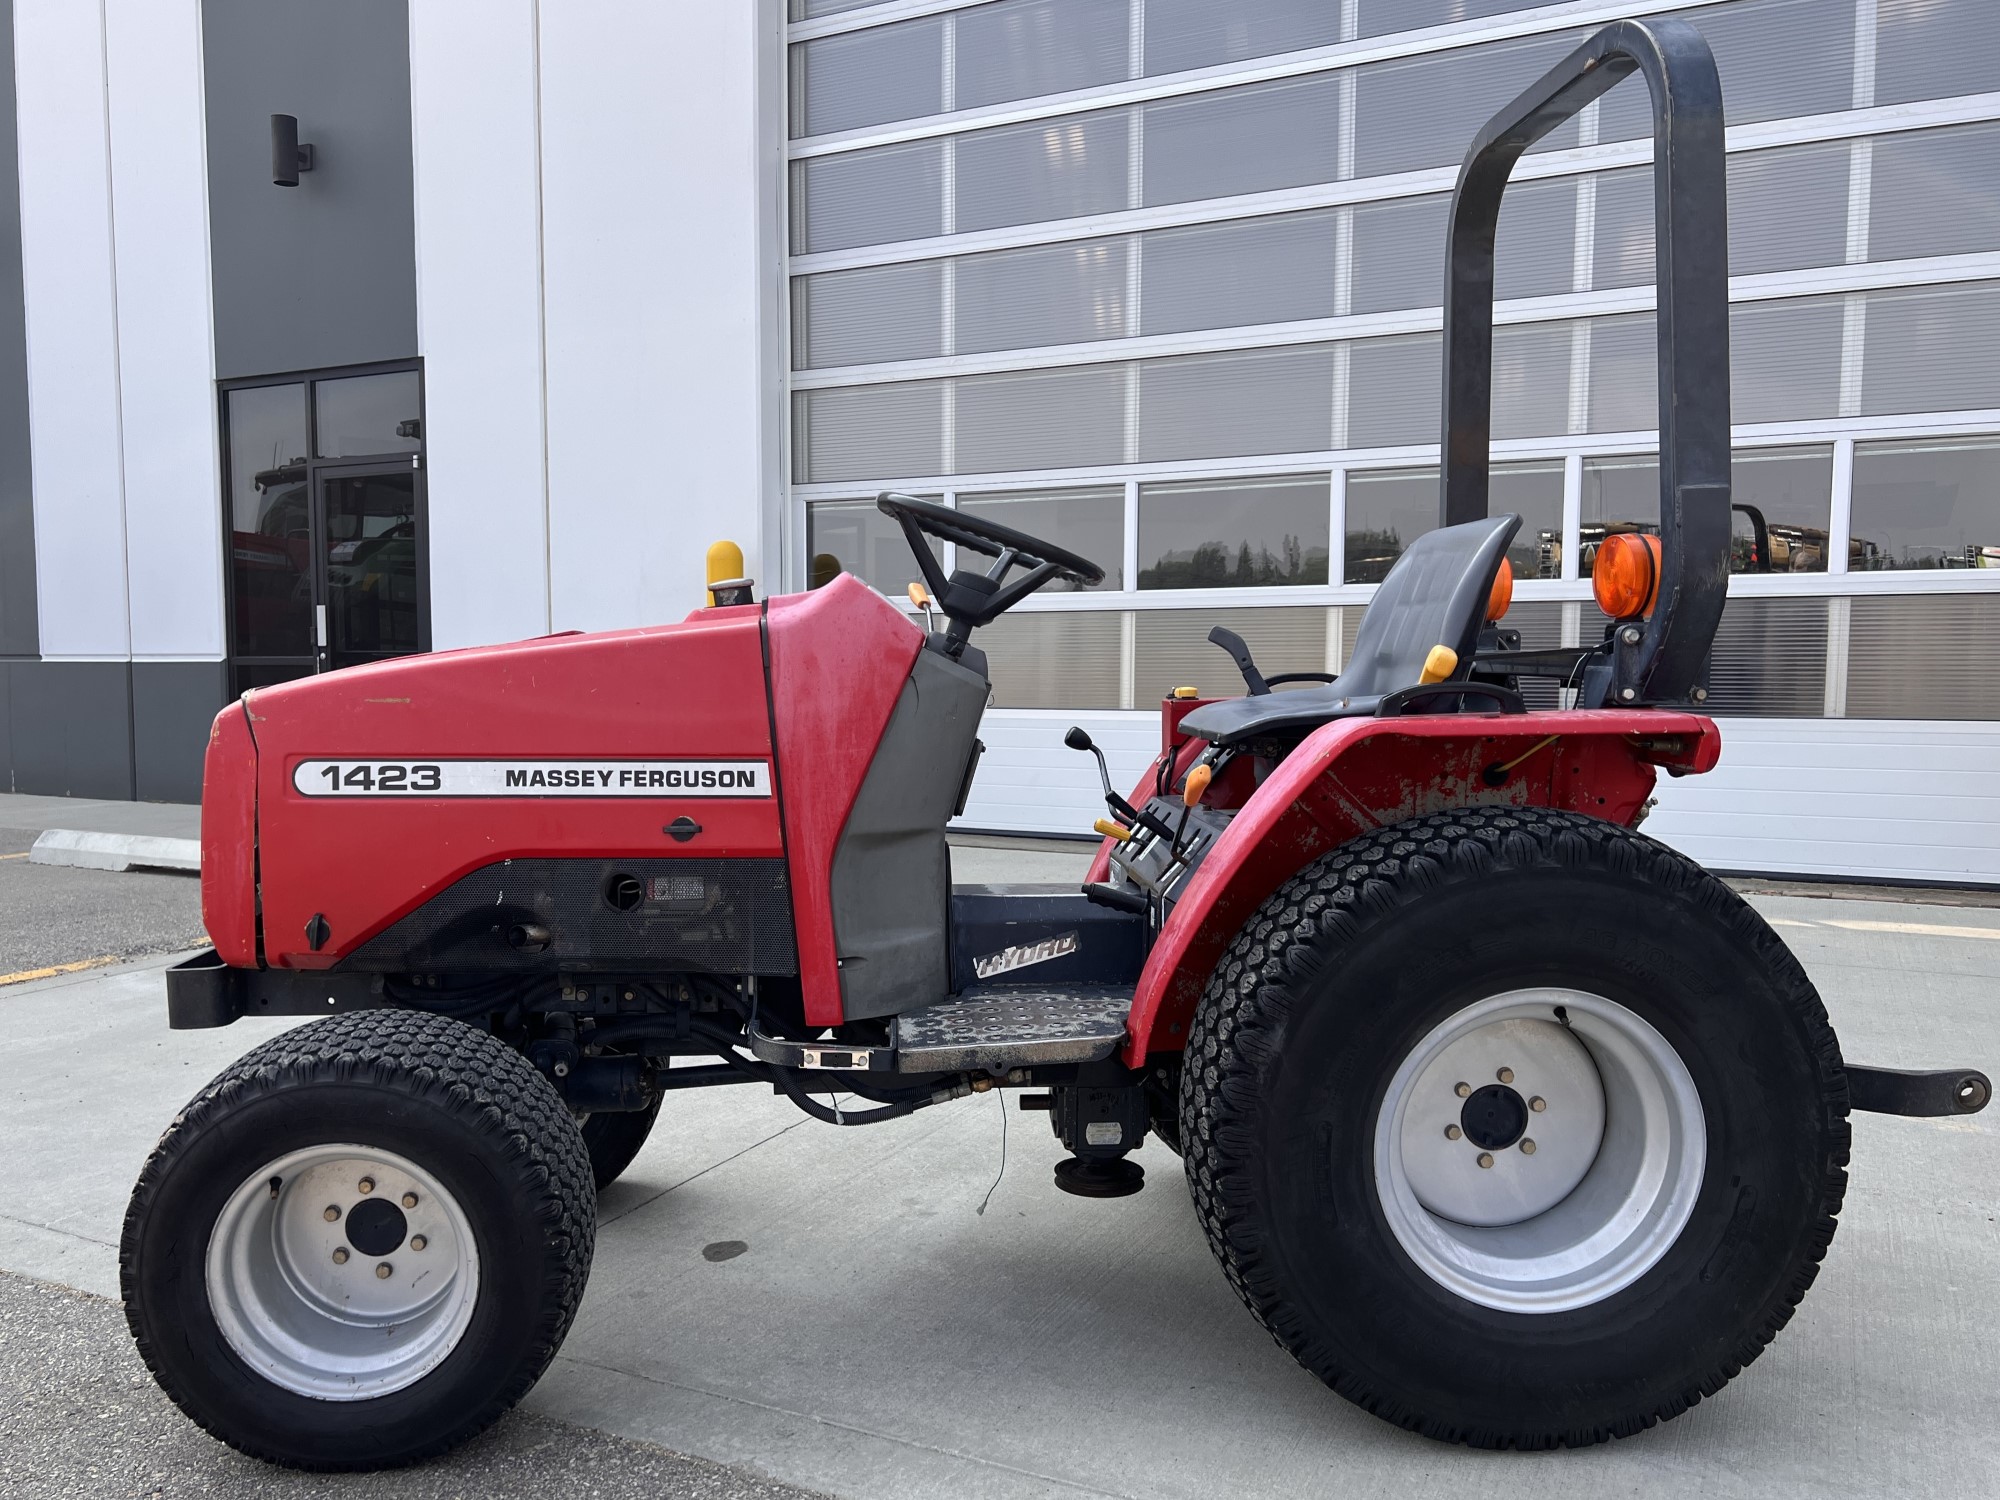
[1515, 1127]
[361, 1243]
[615, 1140]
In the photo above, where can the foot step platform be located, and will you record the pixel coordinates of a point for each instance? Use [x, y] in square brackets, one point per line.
[989, 1027]
[1012, 1026]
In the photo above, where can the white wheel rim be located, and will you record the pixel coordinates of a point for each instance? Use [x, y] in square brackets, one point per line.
[1619, 1145]
[350, 1307]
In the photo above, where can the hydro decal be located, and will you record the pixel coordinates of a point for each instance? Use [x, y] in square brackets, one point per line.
[533, 778]
[1020, 957]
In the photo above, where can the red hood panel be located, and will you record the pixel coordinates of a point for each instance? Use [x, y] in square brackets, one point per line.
[420, 770]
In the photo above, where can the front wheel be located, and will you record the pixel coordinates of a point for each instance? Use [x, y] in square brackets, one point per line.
[1515, 1127]
[361, 1243]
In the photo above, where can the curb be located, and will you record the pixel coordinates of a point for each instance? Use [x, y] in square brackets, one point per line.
[114, 851]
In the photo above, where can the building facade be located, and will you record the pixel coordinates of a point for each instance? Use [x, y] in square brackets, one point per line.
[567, 289]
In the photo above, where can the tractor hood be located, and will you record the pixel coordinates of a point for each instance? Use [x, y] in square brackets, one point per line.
[335, 804]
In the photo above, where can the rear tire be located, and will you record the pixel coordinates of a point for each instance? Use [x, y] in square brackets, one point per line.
[615, 1140]
[361, 1243]
[1348, 1116]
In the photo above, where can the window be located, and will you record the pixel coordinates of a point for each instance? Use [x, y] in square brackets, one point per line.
[853, 536]
[1926, 505]
[367, 415]
[1389, 509]
[1241, 533]
[270, 527]
[1786, 494]
[1090, 523]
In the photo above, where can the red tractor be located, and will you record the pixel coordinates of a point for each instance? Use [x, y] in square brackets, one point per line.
[1512, 1125]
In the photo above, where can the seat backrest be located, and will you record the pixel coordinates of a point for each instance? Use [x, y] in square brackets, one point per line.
[1435, 595]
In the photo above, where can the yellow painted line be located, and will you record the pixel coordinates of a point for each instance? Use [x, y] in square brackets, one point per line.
[1916, 929]
[1913, 929]
[27, 974]
[22, 855]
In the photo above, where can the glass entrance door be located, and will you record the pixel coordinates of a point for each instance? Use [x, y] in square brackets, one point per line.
[325, 499]
[369, 608]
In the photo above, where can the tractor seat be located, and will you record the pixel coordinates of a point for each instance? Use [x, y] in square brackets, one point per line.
[1435, 595]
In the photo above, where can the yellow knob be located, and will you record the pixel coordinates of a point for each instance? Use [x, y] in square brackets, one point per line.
[1187, 692]
[1197, 783]
[919, 595]
[1112, 830]
[1440, 664]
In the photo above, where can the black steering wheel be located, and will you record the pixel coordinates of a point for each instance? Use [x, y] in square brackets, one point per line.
[969, 599]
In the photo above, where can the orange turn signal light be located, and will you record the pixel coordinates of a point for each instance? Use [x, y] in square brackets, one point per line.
[1626, 577]
[1502, 596]
[1197, 783]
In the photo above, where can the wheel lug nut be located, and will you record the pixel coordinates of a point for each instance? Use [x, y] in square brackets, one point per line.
[332, 1213]
[383, 1271]
[1452, 1132]
[1538, 1104]
[367, 1184]
[1505, 1075]
[1463, 1090]
[1527, 1146]
[1486, 1158]
[409, 1200]
[340, 1255]
[417, 1242]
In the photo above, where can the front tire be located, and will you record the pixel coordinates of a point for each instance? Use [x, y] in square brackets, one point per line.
[361, 1243]
[1360, 1158]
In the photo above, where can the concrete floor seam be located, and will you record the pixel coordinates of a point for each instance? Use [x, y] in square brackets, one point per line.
[55, 1229]
[625, 1213]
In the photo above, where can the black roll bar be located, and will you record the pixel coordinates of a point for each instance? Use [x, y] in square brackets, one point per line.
[1666, 660]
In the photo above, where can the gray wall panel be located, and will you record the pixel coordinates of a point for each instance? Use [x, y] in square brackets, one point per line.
[18, 635]
[173, 704]
[70, 723]
[323, 273]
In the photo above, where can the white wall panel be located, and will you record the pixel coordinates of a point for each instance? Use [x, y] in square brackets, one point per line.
[173, 515]
[479, 318]
[660, 179]
[68, 280]
[1873, 800]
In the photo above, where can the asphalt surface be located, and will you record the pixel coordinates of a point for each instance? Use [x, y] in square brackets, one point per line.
[79, 1416]
[55, 915]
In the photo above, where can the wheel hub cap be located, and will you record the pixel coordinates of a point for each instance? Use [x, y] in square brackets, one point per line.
[342, 1272]
[1539, 1150]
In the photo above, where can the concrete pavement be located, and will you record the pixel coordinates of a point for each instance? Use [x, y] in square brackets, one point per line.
[880, 1337]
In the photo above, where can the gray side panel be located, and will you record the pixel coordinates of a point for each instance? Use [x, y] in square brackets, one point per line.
[71, 727]
[892, 874]
[18, 632]
[173, 705]
[323, 273]
[7, 727]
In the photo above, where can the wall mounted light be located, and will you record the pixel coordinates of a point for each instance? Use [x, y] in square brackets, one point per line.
[288, 157]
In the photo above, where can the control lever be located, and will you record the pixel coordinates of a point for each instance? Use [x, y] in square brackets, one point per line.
[1076, 739]
[1239, 653]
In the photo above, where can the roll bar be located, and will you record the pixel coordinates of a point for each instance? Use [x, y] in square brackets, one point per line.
[1666, 661]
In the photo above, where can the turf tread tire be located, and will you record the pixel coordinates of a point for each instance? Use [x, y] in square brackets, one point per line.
[437, 1061]
[1250, 1006]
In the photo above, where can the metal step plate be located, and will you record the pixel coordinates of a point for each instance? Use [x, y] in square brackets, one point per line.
[1012, 1026]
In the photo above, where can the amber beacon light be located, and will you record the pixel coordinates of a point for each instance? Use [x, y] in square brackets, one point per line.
[1626, 578]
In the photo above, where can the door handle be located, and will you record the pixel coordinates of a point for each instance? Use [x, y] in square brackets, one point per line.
[319, 625]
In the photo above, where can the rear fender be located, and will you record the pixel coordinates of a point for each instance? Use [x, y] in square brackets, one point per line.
[1354, 775]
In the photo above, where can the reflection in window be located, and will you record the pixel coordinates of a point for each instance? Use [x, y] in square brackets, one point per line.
[1926, 505]
[1237, 533]
[363, 415]
[270, 542]
[1781, 499]
[1388, 510]
[1783, 507]
[1090, 523]
[852, 536]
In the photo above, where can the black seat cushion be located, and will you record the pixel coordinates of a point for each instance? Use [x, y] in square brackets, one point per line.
[1435, 595]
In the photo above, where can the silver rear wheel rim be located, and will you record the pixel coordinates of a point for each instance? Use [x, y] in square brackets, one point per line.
[1620, 1147]
[345, 1307]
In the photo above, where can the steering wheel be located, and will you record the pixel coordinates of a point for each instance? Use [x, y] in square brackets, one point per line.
[968, 599]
